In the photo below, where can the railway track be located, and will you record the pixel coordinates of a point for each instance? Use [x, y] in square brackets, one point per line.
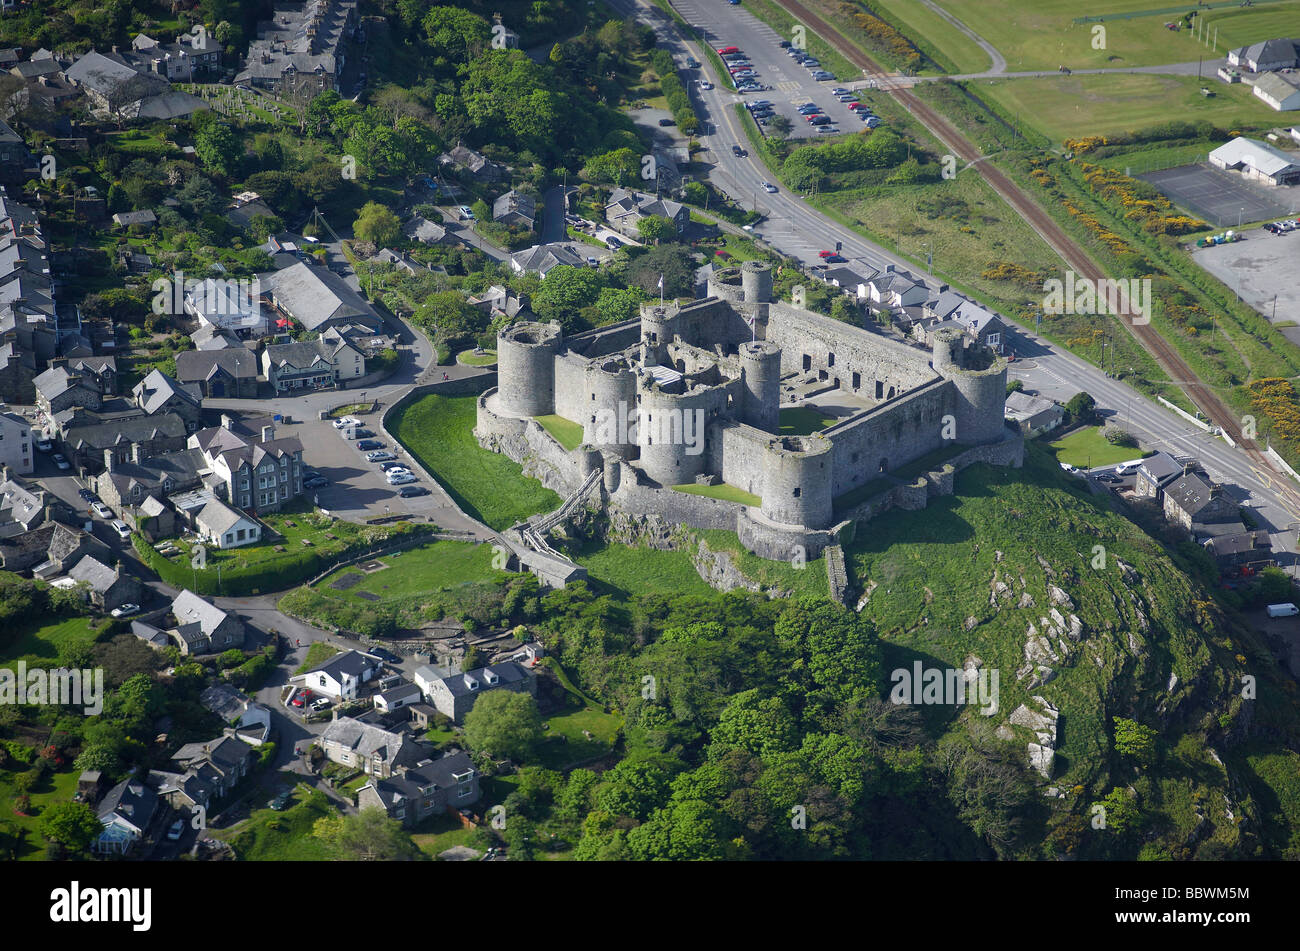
[1069, 250]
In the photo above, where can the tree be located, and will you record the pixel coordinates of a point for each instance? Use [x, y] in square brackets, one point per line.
[218, 148]
[378, 225]
[566, 291]
[1135, 740]
[614, 167]
[73, 825]
[672, 261]
[504, 723]
[1015, 386]
[367, 836]
[1081, 407]
[656, 228]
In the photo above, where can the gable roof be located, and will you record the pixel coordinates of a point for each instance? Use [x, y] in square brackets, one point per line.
[131, 801]
[198, 366]
[95, 573]
[1258, 155]
[314, 295]
[218, 517]
[153, 392]
[350, 663]
[365, 739]
[189, 608]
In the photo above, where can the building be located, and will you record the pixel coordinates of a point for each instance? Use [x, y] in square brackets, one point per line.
[1154, 473]
[59, 388]
[223, 527]
[316, 298]
[250, 720]
[475, 165]
[190, 56]
[1033, 414]
[895, 289]
[158, 394]
[431, 786]
[302, 50]
[99, 371]
[219, 374]
[251, 469]
[16, 452]
[123, 86]
[1257, 161]
[1240, 547]
[847, 280]
[328, 360]
[227, 305]
[202, 627]
[692, 393]
[106, 588]
[454, 696]
[127, 438]
[1191, 501]
[340, 677]
[1265, 56]
[540, 258]
[21, 509]
[124, 485]
[218, 763]
[515, 210]
[376, 751]
[626, 208]
[1278, 91]
[135, 219]
[126, 812]
[394, 698]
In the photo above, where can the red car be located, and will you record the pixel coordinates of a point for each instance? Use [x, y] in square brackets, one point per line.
[826, 254]
[728, 49]
[300, 698]
[856, 106]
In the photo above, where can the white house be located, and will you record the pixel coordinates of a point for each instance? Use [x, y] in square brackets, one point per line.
[1278, 91]
[340, 677]
[224, 527]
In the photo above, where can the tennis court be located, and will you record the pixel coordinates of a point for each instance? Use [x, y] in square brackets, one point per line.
[1220, 197]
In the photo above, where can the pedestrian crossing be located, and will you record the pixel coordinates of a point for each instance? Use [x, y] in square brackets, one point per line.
[788, 86]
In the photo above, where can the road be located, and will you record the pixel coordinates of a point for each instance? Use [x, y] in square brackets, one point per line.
[795, 229]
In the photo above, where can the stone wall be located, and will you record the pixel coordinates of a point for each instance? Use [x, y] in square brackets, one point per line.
[526, 442]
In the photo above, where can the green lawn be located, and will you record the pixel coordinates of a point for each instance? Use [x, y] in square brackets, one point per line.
[485, 359]
[1041, 35]
[1064, 107]
[40, 644]
[438, 430]
[809, 579]
[643, 570]
[926, 28]
[270, 836]
[575, 747]
[349, 410]
[56, 787]
[803, 421]
[725, 492]
[566, 432]
[441, 832]
[1087, 448]
[440, 564]
[317, 653]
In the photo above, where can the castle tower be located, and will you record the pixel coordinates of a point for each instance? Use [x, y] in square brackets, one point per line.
[760, 364]
[610, 401]
[656, 333]
[979, 380]
[797, 481]
[526, 368]
[756, 281]
[670, 433]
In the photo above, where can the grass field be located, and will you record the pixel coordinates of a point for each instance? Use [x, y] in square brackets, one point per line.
[55, 787]
[809, 579]
[1087, 447]
[643, 570]
[727, 493]
[803, 421]
[40, 644]
[441, 832]
[948, 46]
[576, 747]
[438, 430]
[441, 564]
[566, 432]
[1039, 34]
[1064, 107]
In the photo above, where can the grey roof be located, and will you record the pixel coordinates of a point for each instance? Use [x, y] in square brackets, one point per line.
[1023, 406]
[1239, 542]
[126, 218]
[508, 671]
[149, 634]
[543, 257]
[1276, 86]
[1256, 154]
[225, 701]
[132, 429]
[513, 202]
[846, 278]
[224, 752]
[132, 801]
[189, 608]
[1160, 467]
[56, 381]
[314, 295]
[95, 573]
[152, 393]
[197, 366]
[1190, 493]
[421, 779]
[422, 229]
[218, 517]
[183, 468]
[353, 663]
[305, 353]
[399, 693]
[1270, 51]
[364, 739]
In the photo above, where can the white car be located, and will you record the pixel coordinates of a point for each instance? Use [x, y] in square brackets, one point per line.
[466, 213]
[400, 478]
[345, 422]
[44, 445]
[705, 85]
[119, 526]
[321, 703]
[125, 610]
[61, 462]
[100, 509]
[768, 187]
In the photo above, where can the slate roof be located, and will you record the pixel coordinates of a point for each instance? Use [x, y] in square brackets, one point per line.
[110, 433]
[1190, 493]
[95, 573]
[153, 392]
[508, 671]
[542, 257]
[428, 775]
[314, 295]
[189, 608]
[352, 663]
[130, 800]
[218, 517]
[197, 366]
[364, 739]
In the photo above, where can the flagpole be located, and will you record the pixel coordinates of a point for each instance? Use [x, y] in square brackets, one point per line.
[661, 289]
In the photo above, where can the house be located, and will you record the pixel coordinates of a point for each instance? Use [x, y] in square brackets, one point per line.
[1239, 548]
[218, 374]
[15, 443]
[154, 637]
[127, 484]
[498, 301]
[118, 88]
[371, 748]
[129, 219]
[107, 588]
[56, 552]
[425, 231]
[429, 787]
[202, 627]
[127, 438]
[190, 56]
[316, 298]
[125, 813]
[1266, 55]
[1154, 473]
[475, 164]
[394, 698]
[223, 527]
[100, 372]
[454, 696]
[541, 258]
[515, 210]
[250, 720]
[221, 762]
[21, 509]
[232, 306]
[59, 388]
[896, 289]
[16, 160]
[1034, 415]
[1278, 91]
[152, 518]
[340, 677]
[626, 208]
[1257, 161]
[208, 337]
[1191, 500]
[326, 361]
[846, 279]
[252, 469]
[302, 50]
[158, 394]
[401, 260]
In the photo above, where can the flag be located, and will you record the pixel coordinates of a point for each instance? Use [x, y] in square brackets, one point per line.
[661, 282]
[750, 320]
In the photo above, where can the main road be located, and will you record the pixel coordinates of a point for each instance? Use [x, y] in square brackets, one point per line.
[800, 231]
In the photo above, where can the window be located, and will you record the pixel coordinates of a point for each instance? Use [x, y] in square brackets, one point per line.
[228, 538]
[807, 362]
[322, 680]
[830, 359]
[857, 380]
[239, 535]
[797, 491]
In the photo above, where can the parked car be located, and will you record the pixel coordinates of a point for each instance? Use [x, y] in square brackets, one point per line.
[280, 802]
[383, 455]
[176, 830]
[86, 495]
[705, 85]
[119, 526]
[821, 75]
[728, 50]
[871, 122]
[344, 421]
[825, 254]
[392, 466]
[124, 610]
[400, 478]
[44, 445]
[411, 491]
[737, 151]
[321, 703]
[666, 122]
[808, 109]
[61, 462]
[820, 120]
[466, 213]
[692, 63]
[315, 482]
[613, 243]
[300, 698]
[100, 509]
[367, 444]
[828, 130]
[363, 434]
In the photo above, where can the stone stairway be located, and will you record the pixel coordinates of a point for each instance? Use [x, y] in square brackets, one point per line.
[836, 573]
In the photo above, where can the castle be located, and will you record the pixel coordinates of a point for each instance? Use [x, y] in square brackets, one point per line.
[691, 396]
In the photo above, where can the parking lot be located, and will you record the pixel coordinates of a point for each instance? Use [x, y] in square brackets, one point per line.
[1222, 198]
[1262, 269]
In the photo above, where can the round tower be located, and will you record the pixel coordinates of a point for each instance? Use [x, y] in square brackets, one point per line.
[756, 279]
[760, 364]
[979, 380]
[797, 481]
[656, 334]
[726, 284]
[669, 433]
[610, 407]
[526, 368]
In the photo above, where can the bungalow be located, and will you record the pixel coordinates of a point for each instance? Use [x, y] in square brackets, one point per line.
[431, 786]
[340, 676]
[403, 695]
[477, 165]
[223, 527]
[1266, 55]
[454, 696]
[1278, 92]
[541, 258]
[1033, 414]
[128, 219]
[515, 210]
[125, 813]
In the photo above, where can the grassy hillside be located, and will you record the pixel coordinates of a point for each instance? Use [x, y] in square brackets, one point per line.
[980, 573]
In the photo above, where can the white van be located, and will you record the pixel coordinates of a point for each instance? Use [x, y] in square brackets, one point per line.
[1283, 610]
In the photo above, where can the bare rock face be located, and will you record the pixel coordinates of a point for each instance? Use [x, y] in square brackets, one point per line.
[1047, 569]
[1059, 597]
[1043, 723]
[1026, 600]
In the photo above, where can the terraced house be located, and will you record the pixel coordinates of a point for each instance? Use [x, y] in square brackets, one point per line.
[325, 361]
[254, 471]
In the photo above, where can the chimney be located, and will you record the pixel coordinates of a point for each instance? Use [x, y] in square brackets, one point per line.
[227, 422]
[135, 452]
[110, 460]
[268, 433]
